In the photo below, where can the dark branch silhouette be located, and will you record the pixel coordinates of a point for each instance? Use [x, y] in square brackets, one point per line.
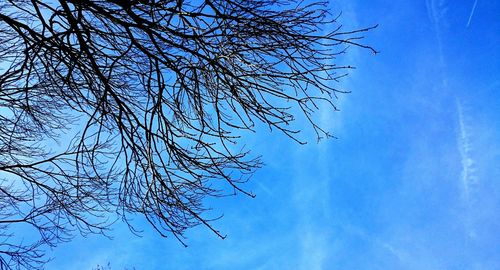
[137, 106]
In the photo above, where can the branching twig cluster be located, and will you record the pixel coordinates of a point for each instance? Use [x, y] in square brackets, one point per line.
[157, 91]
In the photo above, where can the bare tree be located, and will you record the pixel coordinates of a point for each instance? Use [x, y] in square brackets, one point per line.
[136, 107]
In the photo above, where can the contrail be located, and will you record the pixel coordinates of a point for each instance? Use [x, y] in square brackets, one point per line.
[436, 10]
[471, 14]
[464, 148]
[468, 178]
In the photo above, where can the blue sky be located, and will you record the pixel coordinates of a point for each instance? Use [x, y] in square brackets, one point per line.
[412, 182]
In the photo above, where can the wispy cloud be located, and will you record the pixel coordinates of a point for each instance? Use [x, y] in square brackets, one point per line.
[468, 175]
[471, 14]
[383, 244]
[436, 11]
[313, 209]
[313, 199]
[464, 147]
[314, 251]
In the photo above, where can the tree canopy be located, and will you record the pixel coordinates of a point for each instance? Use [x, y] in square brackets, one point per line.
[136, 107]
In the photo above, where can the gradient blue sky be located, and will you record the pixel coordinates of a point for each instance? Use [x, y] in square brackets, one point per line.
[412, 182]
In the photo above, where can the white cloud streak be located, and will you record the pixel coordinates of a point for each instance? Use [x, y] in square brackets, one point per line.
[436, 10]
[471, 14]
[313, 185]
[468, 176]
[464, 147]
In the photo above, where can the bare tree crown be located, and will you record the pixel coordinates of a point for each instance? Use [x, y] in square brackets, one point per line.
[157, 92]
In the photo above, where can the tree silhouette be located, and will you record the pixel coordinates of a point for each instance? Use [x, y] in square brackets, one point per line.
[136, 106]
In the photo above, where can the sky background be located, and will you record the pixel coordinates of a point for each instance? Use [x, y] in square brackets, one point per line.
[411, 182]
